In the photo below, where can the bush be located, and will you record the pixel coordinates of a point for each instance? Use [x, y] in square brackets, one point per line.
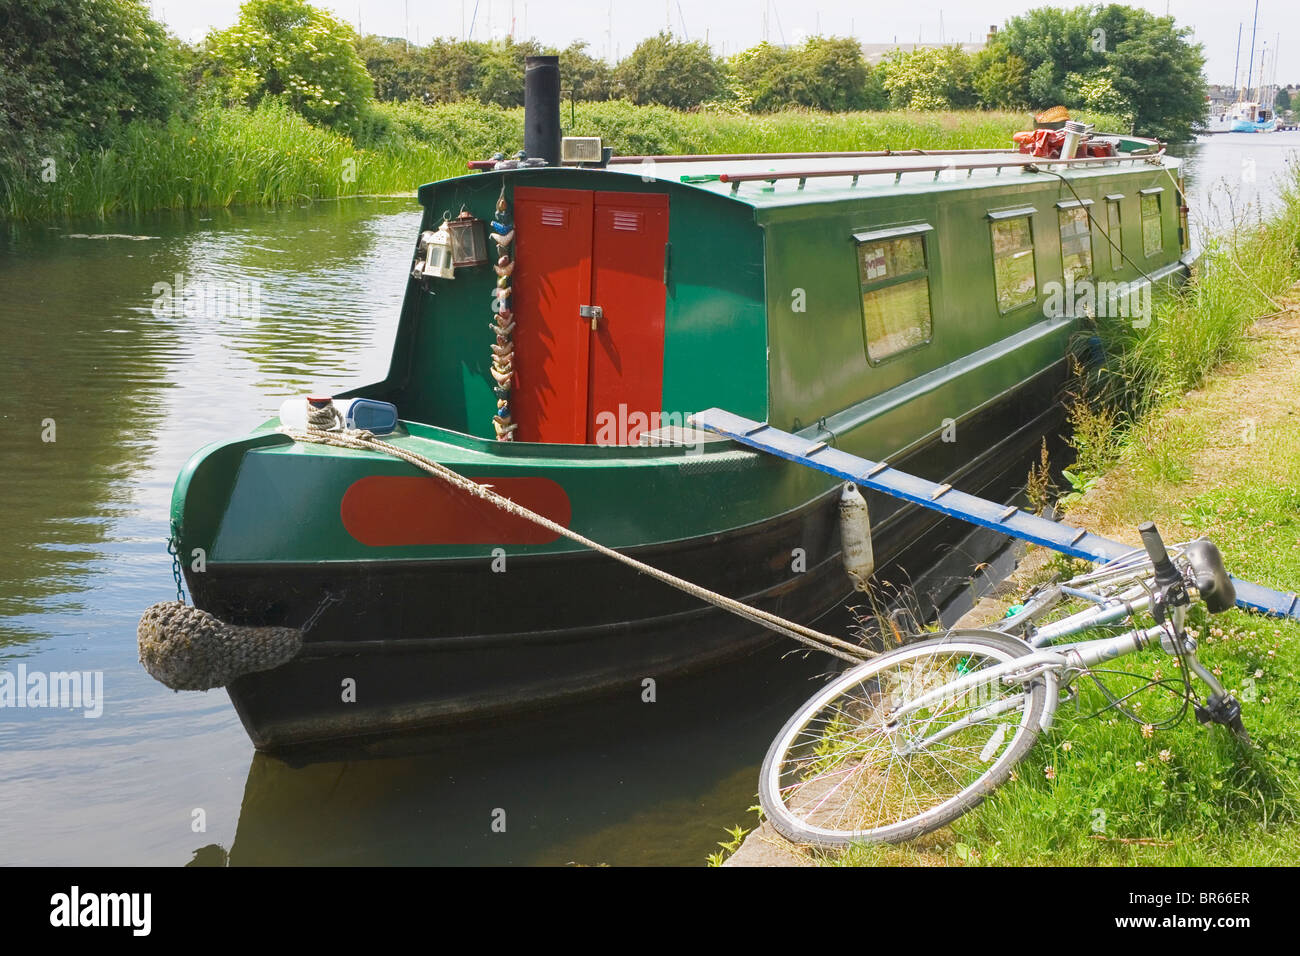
[290, 49]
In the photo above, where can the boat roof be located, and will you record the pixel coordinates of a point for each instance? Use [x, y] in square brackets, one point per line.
[794, 179]
[767, 180]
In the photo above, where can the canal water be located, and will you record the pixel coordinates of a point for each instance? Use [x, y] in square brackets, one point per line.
[125, 349]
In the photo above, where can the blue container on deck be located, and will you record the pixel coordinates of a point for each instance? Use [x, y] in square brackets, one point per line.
[374, 416]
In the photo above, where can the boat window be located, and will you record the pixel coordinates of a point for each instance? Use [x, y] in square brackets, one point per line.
[1153, 238]
[1114, 232]
[1013, 262]
[1076, 242]
[893, 269]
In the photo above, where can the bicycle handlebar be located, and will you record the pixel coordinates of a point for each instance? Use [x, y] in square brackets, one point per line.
[1166, 573]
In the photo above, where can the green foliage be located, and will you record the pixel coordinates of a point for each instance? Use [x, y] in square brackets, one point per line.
[1000, 80]
[290, 49]
[221, 156]
[77, 69]
[397, 68]
[1282, 102]
[1113, 58]
[1099, 90]
[584, 76]
[929, 78]
[1204, 324]
[670, 72]
[822, 73]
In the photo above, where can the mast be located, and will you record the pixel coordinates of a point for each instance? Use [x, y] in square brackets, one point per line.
[1236, 64]
[1250, 73]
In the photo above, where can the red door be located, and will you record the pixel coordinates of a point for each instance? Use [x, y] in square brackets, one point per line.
[627, 346]
[576, 248]
[552, 278]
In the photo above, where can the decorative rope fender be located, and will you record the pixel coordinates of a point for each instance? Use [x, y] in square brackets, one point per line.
[189, 649]
[503, 325]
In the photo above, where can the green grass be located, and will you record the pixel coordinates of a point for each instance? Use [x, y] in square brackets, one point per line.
[1188, 795]
[220, 157]
[1105, 791]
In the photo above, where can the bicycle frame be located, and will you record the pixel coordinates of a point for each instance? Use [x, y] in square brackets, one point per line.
[1048, 664]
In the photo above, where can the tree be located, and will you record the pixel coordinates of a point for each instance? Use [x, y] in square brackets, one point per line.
[1052, 43]
[822, 73]
[1282, 102]
[1000, 80]
[1112, 57]
[588, 77]
[290, 49]
[670, 72]
[928, 78]
[79, 68]
[397, 68]
[1156, 69]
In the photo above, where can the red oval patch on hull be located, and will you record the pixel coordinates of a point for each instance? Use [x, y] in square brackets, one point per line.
[390, 510]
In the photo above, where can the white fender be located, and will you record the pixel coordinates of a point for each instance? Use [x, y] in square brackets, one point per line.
[855, 536]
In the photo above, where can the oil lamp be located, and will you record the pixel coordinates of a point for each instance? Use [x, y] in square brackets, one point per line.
[468, 241]
[437, 254]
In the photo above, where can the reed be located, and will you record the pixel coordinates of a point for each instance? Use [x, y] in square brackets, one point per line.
[220, 156]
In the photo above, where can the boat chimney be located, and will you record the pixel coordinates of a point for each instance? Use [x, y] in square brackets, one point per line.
[542, 108]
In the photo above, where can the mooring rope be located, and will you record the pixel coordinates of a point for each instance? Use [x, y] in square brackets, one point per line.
[363, 440]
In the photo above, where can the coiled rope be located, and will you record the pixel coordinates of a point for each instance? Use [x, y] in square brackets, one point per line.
[319, 432]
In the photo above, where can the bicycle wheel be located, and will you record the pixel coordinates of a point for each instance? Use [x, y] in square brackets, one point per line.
[845, 770]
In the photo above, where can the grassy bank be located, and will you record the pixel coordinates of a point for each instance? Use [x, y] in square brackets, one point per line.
[220, 157]
[1191, 423]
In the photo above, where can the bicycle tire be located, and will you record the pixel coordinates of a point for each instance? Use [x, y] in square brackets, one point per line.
[796, 746]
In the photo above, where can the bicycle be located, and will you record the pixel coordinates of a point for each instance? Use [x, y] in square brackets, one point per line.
[908, 741]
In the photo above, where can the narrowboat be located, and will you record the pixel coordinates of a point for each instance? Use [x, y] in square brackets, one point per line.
[896, 304]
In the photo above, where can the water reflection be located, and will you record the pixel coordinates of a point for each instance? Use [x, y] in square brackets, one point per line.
[625, 781]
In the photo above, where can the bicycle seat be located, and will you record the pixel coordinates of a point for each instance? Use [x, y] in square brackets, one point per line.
[1211, 577]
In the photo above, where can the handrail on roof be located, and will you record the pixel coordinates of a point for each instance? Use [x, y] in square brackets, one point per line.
[1021, 161]
[736, 157]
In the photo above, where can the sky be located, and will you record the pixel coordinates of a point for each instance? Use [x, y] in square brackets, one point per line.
[614, 27]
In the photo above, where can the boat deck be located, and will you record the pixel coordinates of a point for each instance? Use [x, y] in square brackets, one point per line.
[785, 178]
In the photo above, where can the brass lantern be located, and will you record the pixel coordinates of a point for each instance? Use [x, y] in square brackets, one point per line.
[468, 241]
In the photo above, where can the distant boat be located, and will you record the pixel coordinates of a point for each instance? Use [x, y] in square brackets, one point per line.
[1248, 116]
[1244, 116]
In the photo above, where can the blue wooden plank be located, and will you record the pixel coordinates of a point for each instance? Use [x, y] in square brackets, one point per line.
[882, 477]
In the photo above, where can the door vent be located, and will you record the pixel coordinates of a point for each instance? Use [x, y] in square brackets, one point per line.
[627, 221]
[554, 216]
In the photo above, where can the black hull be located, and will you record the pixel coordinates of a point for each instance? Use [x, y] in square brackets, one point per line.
[428, 644]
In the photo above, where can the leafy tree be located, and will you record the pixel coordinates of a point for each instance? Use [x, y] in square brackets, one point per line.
[928, 78]
[79, 68]
[397, 68]
[1156, 69]
[1112, 57]
[1000, 79]
[589, 78]
[290, 49]
[1052, 43]
[1099, 91]
[1282, 102]
[822, 73]
[451, 69]
[670, 72]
